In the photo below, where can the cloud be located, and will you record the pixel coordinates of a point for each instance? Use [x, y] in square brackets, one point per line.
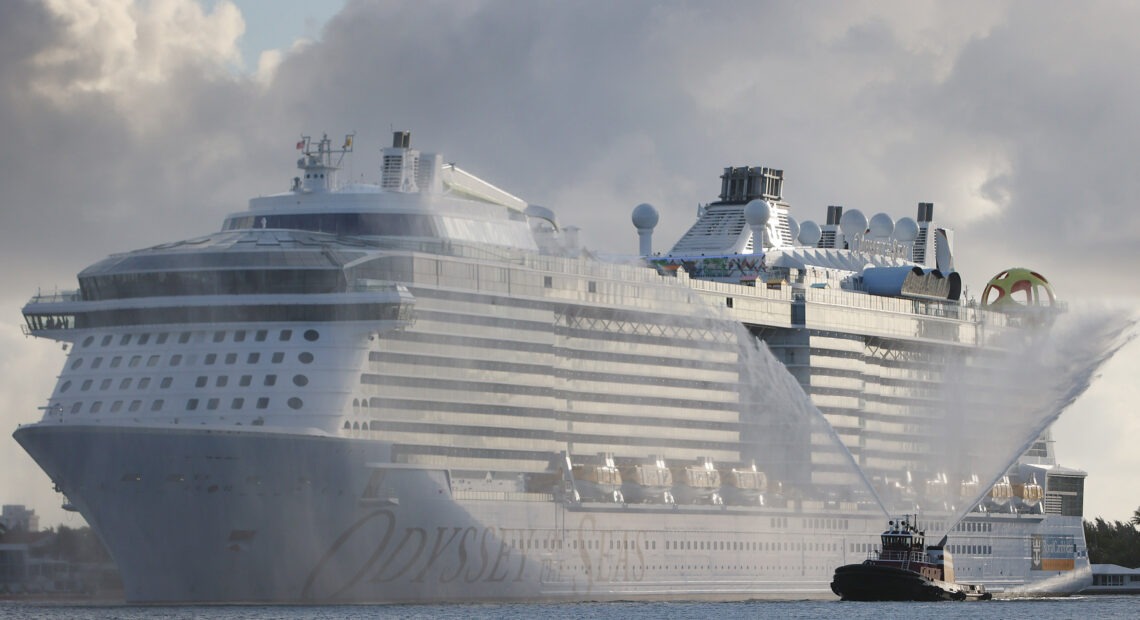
[126, 124]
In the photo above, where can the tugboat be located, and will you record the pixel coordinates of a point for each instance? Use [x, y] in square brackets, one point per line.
[905, 570]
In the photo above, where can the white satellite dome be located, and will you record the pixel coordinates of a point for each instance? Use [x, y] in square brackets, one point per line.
[793, 227]
[645, 216]
[810, 233]
[757, 213]
[853, 223]
[906, 230]
[881, 226]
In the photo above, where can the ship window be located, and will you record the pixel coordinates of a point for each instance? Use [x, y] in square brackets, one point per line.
[211, 358]
[115, 361]
[253, 358]
[184, 337]
[221, 381]
[156, 405]
[270, 380]
[201, 382]
[166, 381]
[162, 338]
[76, 406]
[116, 406]
[278, 357]
[86, 385]
[295, 403]
[261, 335]
[192, 404]
[286, 334]
[135, 405]
[125, 340]
[237, 403]
[305, 357]
[106, 340]
[239, 335]
[300, 380]
[96, 406]
[245, 380]
[105, 384]
[97, 362]
[356, 402]
[125, 384]
[77, 363]
[66, 386]
[592, 287]
[347, 424]
[87, 341]
[135, 361]
[219, 336]
[231, 358]
[263, 403]
[144, 383]
[547, 282]
[212, 404]
[143, 339]
[312, 335]
[152, 361]
[176, 359]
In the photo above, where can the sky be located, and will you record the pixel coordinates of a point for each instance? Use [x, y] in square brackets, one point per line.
[131, 123]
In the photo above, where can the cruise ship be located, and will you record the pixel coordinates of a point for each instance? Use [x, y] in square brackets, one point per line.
[424, 389]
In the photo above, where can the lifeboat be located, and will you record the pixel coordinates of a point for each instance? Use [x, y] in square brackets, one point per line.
[697, 484]
[745, 485]
[1029, 496]
[1001, 496]
[648, 483]
[599, 481]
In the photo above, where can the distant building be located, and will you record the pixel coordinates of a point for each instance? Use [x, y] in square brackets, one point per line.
[17, 517]
[1113, 579]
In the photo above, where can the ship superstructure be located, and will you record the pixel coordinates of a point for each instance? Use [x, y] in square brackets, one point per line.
[422, 389]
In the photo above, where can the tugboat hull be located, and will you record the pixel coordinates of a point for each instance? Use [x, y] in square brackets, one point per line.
[868, 582]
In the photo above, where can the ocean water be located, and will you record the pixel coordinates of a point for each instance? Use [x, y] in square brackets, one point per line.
[1082, 607]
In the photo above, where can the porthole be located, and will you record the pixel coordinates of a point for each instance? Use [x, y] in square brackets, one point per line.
[156, 405]
[261, 335]
[86, 385]
[135, 405]
[184, 337]
[97, 362]
[295, 403]
[239, 335]
[253, 358]
[144, 383]
[201, 382]
[212, 404]
[221, 381]
[96, 406]
[270, 380]
[87, 341]
[176, 359]
[305, 357]
[65, 387]
[143, 339]
[75, 408]
[192, 404]
[237, 403]
[116, 406]
[106, 340]
[116, 361]
[125, 340]
[286, 334]
[211, 358]
[245, 380]
[166, 381]
[312, 335]
[77, 363]
[219, 336]
[263, 403]
[162, 338]
[105, 385]
[300, 380]
[278, 357]
[231, 358]
[125, 384]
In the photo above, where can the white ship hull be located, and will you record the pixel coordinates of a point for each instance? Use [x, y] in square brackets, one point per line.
[260, 516]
